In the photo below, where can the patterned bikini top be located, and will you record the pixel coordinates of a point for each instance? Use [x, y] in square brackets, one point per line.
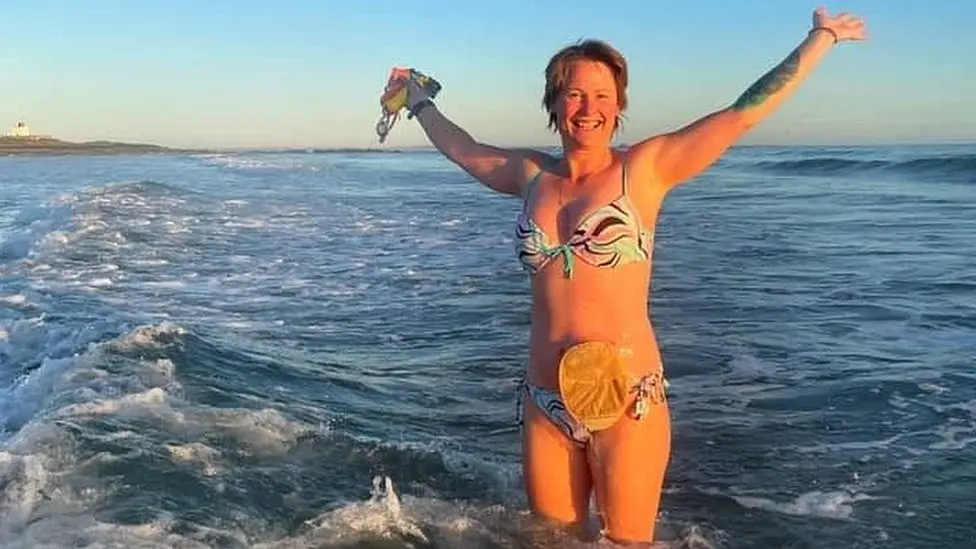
[610, 236]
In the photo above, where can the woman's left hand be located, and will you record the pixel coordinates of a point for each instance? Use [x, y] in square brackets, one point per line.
[845, 26]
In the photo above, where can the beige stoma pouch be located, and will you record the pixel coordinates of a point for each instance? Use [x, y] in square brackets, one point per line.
[594, 384]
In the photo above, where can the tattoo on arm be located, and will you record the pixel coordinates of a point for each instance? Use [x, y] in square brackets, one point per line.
[769, 83]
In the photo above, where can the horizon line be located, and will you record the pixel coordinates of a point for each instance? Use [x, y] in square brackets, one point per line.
[431, 148]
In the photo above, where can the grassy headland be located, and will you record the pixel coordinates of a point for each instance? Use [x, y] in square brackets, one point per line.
[50, 146]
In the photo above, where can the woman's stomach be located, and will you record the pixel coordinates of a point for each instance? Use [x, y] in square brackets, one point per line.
[611, 308]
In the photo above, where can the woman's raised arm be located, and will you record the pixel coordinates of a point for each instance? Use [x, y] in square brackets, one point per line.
[683, 154]
[502, 170]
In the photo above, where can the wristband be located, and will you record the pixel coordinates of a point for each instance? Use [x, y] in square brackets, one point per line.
[831, 31]
[417, 107]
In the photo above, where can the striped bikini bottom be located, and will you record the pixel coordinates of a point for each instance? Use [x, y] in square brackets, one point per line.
[651, 388]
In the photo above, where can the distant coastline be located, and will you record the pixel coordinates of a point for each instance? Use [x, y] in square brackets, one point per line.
[48, 146]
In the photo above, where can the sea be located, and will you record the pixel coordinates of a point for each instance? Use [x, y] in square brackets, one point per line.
[314, 349]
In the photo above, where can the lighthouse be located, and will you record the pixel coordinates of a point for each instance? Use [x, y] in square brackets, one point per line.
[20, 129]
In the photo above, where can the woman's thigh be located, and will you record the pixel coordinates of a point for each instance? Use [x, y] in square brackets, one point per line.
[629, 461]
[555, 470]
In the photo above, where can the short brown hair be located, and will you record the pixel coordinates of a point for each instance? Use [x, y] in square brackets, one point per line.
[557, 72]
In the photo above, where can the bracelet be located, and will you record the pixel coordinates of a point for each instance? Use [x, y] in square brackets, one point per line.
[831, 31]
[417, 107]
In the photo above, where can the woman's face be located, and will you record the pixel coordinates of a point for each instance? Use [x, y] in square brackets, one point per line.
[587, 109]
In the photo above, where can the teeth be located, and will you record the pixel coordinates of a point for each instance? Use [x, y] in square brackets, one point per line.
[587, 125]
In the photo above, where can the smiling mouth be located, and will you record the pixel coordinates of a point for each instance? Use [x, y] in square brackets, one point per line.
[587, 125]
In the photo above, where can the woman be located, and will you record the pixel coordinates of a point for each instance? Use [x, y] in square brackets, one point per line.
[586, 234]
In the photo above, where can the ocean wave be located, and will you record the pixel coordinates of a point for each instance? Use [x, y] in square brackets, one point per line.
[62, 218]
[960, 168]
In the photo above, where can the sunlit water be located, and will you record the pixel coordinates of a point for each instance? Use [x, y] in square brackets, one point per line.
[321, 350]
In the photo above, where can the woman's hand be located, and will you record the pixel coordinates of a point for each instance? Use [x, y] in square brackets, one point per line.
[844, 26]
[415, 94]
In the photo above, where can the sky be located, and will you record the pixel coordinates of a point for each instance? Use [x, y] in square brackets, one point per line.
[308, 73]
